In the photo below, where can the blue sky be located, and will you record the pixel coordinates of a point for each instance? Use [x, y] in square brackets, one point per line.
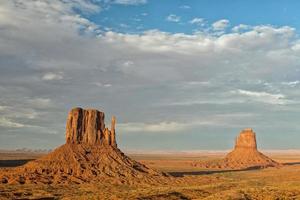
[277, 13]
[179, 75]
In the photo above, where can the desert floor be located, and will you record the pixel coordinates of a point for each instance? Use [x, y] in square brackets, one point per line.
[187, 182]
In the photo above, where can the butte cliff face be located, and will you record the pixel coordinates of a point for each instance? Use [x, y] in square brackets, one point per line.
[88, 127]
[244, 156]
[89, 155]
[246, 140]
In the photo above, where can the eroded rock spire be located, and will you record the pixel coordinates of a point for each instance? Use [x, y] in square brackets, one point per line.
[113, 131]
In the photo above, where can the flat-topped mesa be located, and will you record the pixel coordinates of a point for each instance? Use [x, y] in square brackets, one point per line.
[246, 140]
[88, 127]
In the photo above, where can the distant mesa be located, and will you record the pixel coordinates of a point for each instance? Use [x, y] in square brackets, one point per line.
[89, 155]
[244, 156]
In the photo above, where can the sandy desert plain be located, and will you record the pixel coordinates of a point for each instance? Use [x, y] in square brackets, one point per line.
[188, 183]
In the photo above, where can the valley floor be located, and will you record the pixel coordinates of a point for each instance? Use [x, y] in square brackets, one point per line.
[187, 182]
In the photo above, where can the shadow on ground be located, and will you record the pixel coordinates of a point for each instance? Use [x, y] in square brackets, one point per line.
[207, 172]
[13, 163]
[171, 195]
[291, 163]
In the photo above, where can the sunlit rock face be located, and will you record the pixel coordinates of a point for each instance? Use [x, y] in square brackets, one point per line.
[246, 140]
[88, 127]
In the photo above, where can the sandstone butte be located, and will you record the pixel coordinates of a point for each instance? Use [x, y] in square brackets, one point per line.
[244, 156]
[90, 154]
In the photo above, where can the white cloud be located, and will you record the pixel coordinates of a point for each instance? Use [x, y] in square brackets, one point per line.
[191, 102]
[259, 38]
[40, 102]
[172, 126]
[124, 25]
[4, 122]
[105, 85]
[128, 63]
[241, 27]
[173, 18]
[291, 83]
[296, 47]
[220, 25]
[2, 108]
[52, 76]
[185, 7]
[12, 112]
[264, 97]
[159, 127]
[197, 21]
[202, 83]
[129, 2]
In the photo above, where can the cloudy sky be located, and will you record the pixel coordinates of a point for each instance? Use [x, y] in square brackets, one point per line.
[179, 75]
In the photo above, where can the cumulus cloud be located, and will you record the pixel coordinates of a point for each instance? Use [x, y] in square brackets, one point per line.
[264, 97]
[3, 108]
[205, 102]
[241, 27]
[291, 83]
[99, 84]
[220, 25]
[197, 21]
[185, 7]
[52, 76]
[162, 127]
[39, 102]
[4, 122]
[159, 127]
[264, 38]
[129, 2]
[171, 127]
[173, 18]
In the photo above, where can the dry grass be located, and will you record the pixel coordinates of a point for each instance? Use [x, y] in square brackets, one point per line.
[271, 183]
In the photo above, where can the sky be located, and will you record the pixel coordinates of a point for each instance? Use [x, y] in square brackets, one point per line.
[178, 75]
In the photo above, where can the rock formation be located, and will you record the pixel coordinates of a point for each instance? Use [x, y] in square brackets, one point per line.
[246, 140]
[244, 156]
[85, 127]
[113, 132]
[89, 155]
